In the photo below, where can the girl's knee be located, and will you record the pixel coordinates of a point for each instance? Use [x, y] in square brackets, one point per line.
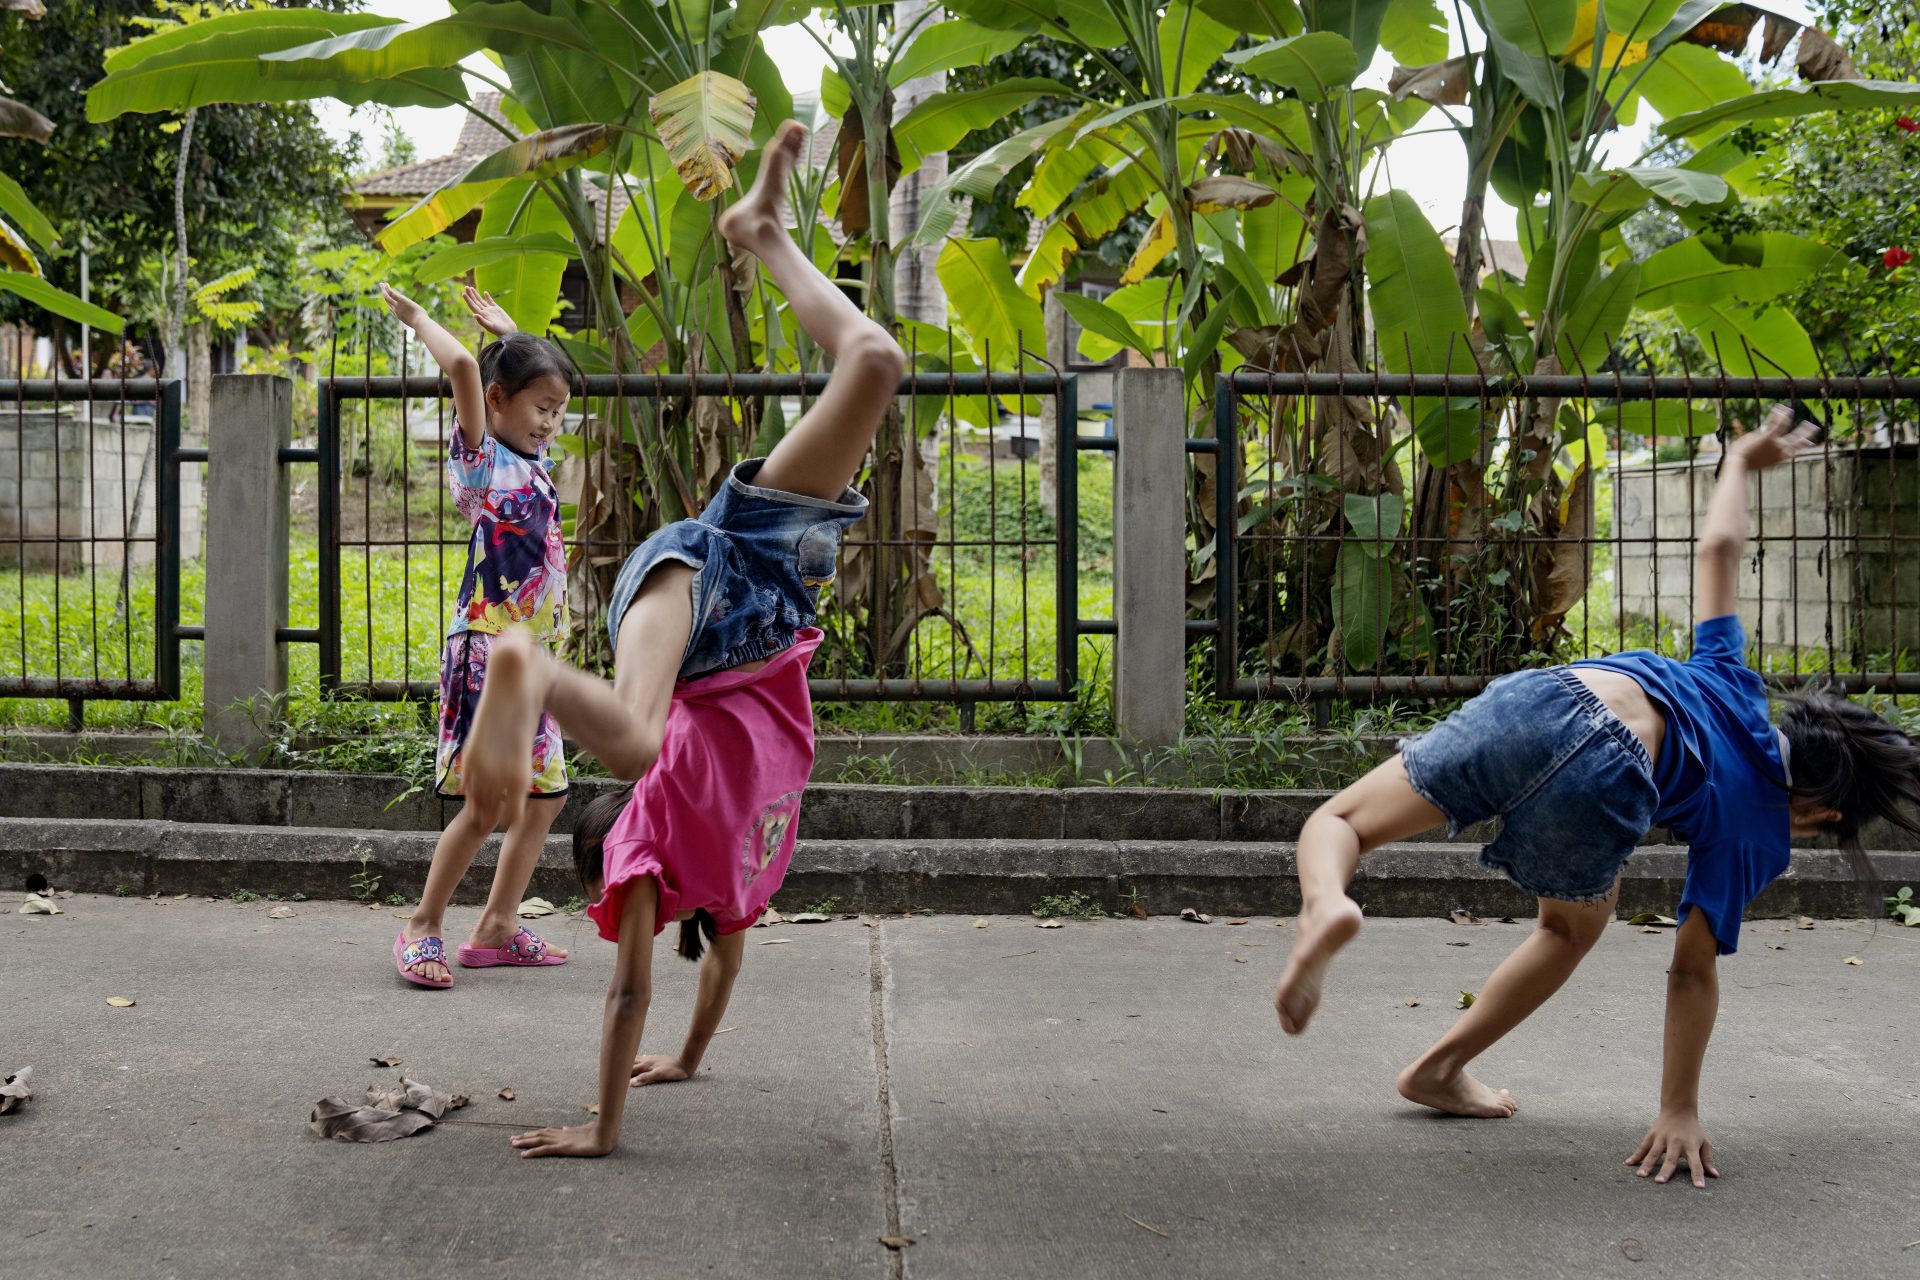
[1575, 924]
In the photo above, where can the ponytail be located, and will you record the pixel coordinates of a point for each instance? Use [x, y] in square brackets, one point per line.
[691, 929]
[1857, 763]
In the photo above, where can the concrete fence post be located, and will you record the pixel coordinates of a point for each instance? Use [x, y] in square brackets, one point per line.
[246, 661]
[1149, 556]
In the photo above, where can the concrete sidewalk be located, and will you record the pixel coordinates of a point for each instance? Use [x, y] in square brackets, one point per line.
[1100, 1100]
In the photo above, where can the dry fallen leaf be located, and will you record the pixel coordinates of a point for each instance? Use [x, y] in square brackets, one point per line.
[775, 942]
[1460, 915]
[1776, 946]
[384, 1062]
[897, 1243]
[1653, 918]
[533, 908]
[1137, 911]
[808, 917]
[506, 1095]
[1279, 924]
[1239, 959]
[767, 917]
[1459, 944]
[1048, 924]
[61, 893]
[15, 1090]
[593, 1109]
[1195, 917]
[120, 1002]
[1803, 922]
[1853, 960]
[1413, 1004]
[980, 924]
[1465, 1001]
[1649, 929]
[396, 1113]
[1232, 922]
[282, 913]
[35, 905]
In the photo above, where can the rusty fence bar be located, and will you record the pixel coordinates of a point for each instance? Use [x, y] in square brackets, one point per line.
[1350, 566]
[90, 534]
[965, 625]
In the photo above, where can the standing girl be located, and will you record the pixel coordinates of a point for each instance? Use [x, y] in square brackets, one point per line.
[507, 407]
[1578, 762]
[712, 624]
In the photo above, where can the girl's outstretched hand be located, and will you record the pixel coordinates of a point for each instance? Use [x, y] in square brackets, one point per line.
[570, 1140]
[657, 1068]
[491, 315]
[1776, 440]
[404, 309]
[1675, 1136]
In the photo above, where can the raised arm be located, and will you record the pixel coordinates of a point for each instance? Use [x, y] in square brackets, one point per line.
[1693, 1001]
[1723, 537]
[469, 397]
[717, 971]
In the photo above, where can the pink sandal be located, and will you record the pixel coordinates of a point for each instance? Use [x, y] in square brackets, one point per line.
[409, 956]
[528, 949]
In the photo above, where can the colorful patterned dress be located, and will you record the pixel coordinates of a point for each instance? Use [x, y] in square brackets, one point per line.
[516, 576]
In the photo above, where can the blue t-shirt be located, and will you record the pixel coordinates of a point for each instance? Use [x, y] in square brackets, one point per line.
[1721, 782]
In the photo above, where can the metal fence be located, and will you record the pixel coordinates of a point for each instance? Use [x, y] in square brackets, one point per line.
[90, 537]
[981, 567]
[1519, 557]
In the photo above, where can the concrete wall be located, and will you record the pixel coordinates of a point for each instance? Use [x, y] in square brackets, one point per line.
[1830, 562]
[58, 470]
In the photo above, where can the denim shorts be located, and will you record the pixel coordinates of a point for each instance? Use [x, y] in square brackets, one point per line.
[760, 558]
[1572, 785]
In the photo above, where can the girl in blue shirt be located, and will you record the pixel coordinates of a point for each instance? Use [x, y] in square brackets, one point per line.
[1578, 762]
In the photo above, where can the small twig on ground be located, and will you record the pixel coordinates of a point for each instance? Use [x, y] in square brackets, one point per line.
[1136, 1222]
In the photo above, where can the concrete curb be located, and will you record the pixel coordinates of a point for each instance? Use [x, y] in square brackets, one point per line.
[984, 875]
[833, 811]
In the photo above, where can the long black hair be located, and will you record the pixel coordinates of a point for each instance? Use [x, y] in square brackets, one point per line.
[589, 840]
[519, 360]
[1855, 762]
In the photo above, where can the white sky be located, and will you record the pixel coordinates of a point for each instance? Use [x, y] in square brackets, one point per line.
[1428, 166]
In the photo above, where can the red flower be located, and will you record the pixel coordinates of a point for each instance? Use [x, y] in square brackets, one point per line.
[1896, 257]
[1906, 123]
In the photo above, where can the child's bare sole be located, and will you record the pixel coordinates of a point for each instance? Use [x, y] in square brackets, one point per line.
[1458, 1094]
[760, 213]
[1322, 933]
[495, 753]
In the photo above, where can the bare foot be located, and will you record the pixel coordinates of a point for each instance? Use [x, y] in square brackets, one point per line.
[494, 760]
[1323, 931]
[761, 213]
[1457, 1094]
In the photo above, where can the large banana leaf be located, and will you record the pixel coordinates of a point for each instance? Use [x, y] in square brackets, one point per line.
[538, 155]
[382, 52]
[1362, 600]
[1624, 190]
[221, 63]
[943, 46]
[1637, 19]
[1414, 32]
[1046, 263]
[15, 205]
[1091, 23]
[1800, 100]
[1747, 343]
[457, 260]
[1691, 77]
[59, 301]
[1596, 319]
[1149, 309]
[1312, 65]
[1190, 43]
[945, 118]
[1153, 248]
[706, 124]
[527, 283]
[1000, 320]
[1096, 318]
[1061, 170]
[1524, 37]
[1420, 320]
[1105, 204]
[1689, 274]
[980, 176]
[1265, 19]
[16, 254]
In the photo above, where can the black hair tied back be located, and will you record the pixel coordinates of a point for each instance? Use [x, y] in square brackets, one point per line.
[589, 862]
[519, 360]
[1857, 763]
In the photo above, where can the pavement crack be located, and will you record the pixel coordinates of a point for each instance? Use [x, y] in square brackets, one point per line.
[876, 996]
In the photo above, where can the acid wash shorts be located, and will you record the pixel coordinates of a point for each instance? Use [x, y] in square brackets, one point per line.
[760, 558]
[1572, 785]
